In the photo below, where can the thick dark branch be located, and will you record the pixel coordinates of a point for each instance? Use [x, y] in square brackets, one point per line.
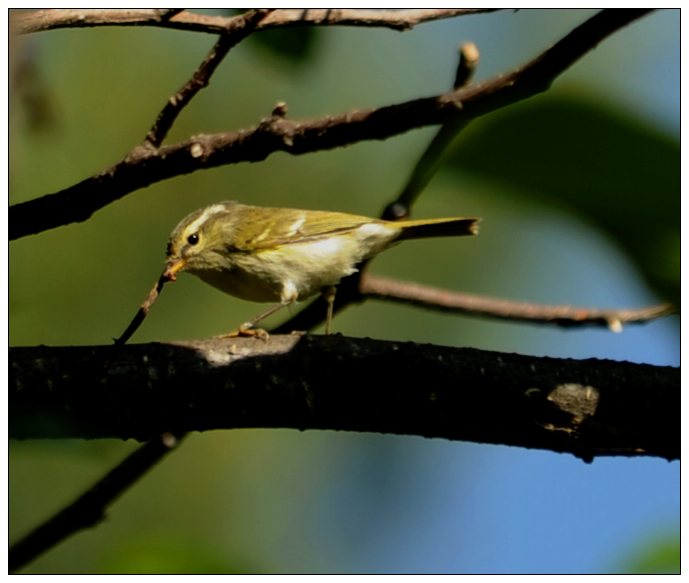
[587, 408]
[42, 20]
[144, 166]
[240, 28]
[89, 509]
[432, 298]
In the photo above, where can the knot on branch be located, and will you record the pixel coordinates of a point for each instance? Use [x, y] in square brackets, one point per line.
[281, 131]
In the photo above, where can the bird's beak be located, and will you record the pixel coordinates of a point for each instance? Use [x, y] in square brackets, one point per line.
[173, 268]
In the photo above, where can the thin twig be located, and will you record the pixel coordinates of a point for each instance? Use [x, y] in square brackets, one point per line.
[143, 311]
[431, 160]
[143, 167]
[89, 508]
[381, 288]
[468, 61]
[43, 20]
[238, 29]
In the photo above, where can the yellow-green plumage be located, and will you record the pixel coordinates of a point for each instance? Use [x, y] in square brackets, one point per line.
[283, 255]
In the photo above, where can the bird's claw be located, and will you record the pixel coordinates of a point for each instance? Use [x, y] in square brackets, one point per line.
[247, 330]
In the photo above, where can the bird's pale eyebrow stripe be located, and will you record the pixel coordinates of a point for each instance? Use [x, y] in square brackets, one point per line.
[211, 210]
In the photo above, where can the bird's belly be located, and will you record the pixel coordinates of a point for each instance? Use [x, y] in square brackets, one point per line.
[307, 267]
[312, 266]
[241, 284]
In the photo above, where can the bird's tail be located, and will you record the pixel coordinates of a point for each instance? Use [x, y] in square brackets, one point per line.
[426, 228]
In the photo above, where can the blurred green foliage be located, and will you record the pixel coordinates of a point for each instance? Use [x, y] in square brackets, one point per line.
[600, 164]
[152, 556]
[658, 555]
[294, 46]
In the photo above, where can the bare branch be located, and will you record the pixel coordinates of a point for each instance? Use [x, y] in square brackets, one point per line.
[587, 408]
[468, 61]
[144, 166]
[89, 509]
[239, 28]
[143, 311]
[43, 20]
[432, 158]
[168, 13]
[380, 288]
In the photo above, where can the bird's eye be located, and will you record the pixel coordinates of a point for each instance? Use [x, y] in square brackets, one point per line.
[193, 239]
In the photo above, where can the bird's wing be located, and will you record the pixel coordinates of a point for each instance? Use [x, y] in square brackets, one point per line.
[298, 227]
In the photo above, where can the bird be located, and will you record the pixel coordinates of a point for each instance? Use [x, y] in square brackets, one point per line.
[283, 255]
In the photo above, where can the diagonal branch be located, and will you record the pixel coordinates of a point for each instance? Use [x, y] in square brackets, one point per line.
[381, 288]
[143, 166]
[89, 508]
[238, 29]
[402, 20]
[432, 158]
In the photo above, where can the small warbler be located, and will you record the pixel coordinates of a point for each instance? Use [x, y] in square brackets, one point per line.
[284, 255]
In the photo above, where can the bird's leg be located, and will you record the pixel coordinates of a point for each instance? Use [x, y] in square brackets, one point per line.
[329, 296]
[287, 296]
[247, 329]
